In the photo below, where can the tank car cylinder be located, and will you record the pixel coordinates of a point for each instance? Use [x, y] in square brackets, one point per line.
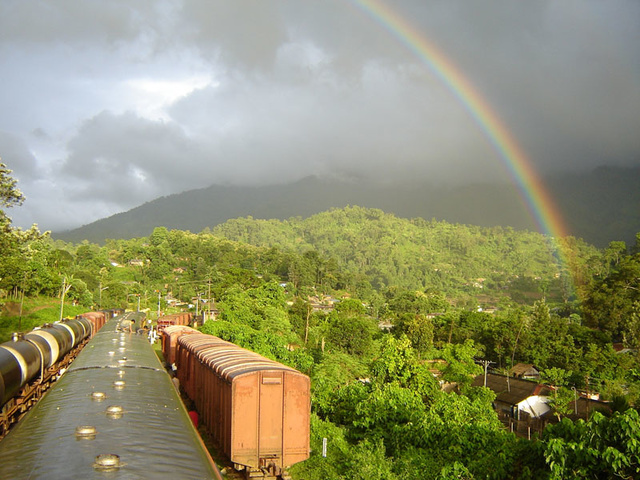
[20, 362]
[1, 391]
[43, 346]
[89, 326]
[11, 375]
[78, 331]
[54, 338]
[65, 337]
[84, 325]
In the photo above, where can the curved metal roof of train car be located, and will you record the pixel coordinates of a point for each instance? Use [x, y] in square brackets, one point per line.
[219, 362]
[115, 349]
[217, 359]
[239, 369]
[195, 341]
[230, 360]
[186, 330]
[153, 436]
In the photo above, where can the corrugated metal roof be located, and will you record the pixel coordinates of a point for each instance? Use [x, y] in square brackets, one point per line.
[227, 359]
[511, 390]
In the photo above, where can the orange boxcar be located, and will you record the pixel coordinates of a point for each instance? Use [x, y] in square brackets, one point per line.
[256, 409]
[98, 319]
[183, 318]
[169, 339]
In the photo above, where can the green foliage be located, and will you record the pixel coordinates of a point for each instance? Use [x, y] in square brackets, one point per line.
[365, 460]
[601, 448]
[460, 367]
[333, 371]
[377, 396]
[15, 260]
[416, 255]
[261, 308]
[457, 471]
[351, 333]
[613, 302]
[10, 196]
[398, 363]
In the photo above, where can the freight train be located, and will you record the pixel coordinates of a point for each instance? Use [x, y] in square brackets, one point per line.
[113, 414]
[182, 318]
[30, 363]
[257, 410]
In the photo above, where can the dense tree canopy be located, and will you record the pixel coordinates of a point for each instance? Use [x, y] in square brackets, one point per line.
[17, 262]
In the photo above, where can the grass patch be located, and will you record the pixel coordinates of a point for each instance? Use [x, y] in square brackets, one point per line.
[35, 313]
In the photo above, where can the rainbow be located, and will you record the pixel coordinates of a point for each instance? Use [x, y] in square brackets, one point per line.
[535, 196]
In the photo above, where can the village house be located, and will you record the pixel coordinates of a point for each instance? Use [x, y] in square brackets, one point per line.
[525, 371]
[521, 405]
[515, 397]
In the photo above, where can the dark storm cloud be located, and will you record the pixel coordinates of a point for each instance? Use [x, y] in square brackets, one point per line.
[127, 159]
[120, 102]
[244, 33]
[274, 131]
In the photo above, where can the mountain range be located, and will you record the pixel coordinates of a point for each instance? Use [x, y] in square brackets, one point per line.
[599, 206]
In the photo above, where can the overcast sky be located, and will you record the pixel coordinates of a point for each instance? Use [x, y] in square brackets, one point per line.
[107, 104]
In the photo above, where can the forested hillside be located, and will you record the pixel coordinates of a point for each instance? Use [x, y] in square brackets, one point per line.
[599, 206]
[463, 261]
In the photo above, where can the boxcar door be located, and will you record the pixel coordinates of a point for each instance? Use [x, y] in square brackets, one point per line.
[271, 417]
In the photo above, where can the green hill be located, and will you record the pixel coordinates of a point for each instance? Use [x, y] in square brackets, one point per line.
[600, 206]
[417, 254]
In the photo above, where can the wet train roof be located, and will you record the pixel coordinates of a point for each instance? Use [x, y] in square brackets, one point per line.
[113, 348]
[154, 437]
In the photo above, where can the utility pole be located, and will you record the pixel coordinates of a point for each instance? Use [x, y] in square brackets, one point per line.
[101, 288]
[485, 365]
[65, 288]
[588, 397]
[306, 328]
[22, 302]
[208, 301]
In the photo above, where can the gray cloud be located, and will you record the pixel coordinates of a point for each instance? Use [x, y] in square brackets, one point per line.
[128, 159]
[16, 155]
[116, 103]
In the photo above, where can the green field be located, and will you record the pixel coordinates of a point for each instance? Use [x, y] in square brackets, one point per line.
[35, 312]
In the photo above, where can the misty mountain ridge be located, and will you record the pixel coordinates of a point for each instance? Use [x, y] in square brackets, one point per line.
[599, 206]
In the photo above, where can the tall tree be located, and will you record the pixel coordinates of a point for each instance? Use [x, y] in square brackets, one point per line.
[12, 240]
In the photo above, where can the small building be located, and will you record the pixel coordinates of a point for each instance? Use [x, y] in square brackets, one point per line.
[323, 303]
[584, 407]
[525, 371]
[516, 398]
[385, 325]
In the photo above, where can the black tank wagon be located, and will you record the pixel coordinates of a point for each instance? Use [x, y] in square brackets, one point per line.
[114, 414]
[31, 362]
